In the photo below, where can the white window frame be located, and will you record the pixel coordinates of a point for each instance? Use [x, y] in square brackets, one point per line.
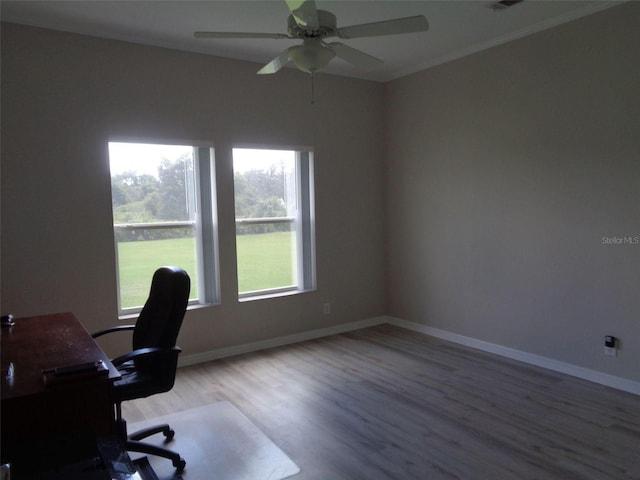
[303, 221]
[205, 225]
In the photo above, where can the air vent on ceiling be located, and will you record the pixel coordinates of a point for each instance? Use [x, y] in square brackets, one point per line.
[503, 4]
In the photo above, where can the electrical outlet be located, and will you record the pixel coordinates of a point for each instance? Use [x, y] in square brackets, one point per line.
[610, 346]
[326, 308]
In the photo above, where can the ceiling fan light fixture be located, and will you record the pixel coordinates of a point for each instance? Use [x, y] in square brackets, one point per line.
[311, 56]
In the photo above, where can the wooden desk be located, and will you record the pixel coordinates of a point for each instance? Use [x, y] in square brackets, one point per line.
[36, 414]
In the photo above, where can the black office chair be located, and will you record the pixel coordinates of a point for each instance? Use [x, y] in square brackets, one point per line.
[151, 367]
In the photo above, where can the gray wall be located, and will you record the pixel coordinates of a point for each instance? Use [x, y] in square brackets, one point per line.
[65, 95]
[505, 170]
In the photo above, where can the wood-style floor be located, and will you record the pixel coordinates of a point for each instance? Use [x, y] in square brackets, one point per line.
[388, 403]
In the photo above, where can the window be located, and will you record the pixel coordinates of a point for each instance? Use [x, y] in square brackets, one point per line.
[274, 221]
[163, 214]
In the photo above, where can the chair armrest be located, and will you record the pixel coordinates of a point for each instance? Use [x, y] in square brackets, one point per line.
[143, 352]
[119, 328]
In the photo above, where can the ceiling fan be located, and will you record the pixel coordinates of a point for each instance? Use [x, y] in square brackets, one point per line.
[313, 26]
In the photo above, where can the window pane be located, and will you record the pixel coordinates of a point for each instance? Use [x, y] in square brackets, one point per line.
[266, 256]
[264, 183]
[151, 183]
[139, 258]
[265, 188]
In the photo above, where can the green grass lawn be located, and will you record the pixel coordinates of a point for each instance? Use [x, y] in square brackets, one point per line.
[264, 261]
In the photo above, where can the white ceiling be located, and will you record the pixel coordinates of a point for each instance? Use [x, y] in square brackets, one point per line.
[456, 27]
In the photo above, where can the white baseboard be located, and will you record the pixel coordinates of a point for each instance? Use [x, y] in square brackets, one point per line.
[537, 360]
[278, 342]
[532, 359]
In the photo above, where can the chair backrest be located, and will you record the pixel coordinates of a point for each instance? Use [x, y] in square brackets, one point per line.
[159, 321]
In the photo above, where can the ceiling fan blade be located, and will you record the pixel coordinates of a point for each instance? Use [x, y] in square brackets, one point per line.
[305, 13]
[276, 64]
[387, 27]
[238, 35]
[353, 56]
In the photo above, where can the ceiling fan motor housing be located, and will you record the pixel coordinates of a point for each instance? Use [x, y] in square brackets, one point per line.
[327, 26]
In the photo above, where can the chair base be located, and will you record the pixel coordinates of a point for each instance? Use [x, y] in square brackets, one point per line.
[133, 443]
[165, 429]
[141, 447]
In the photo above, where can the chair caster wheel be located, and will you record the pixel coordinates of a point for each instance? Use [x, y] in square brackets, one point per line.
[169, 435]
[179, 464]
